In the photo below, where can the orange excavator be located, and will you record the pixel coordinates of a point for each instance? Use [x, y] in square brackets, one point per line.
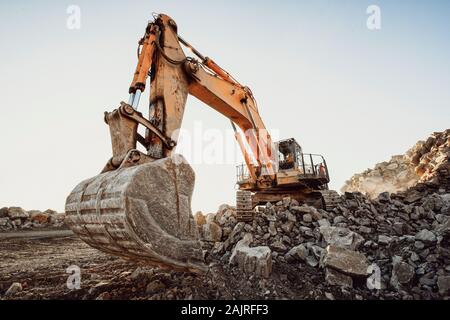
[124, 210]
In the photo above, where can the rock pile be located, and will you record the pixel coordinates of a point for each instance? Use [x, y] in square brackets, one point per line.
[16, 218]
[427, 162]
[395, 246]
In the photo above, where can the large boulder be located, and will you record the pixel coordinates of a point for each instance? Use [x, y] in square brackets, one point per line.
[50, 212]
[253, 261]
[212, 232]
[56, 218]
[200, 219]
[234, 235]
[4, 212]
[226, 216]
[17, 213]
[341, 237]
[244, 242]
[425, 236]
[38, 216]
[346, 261]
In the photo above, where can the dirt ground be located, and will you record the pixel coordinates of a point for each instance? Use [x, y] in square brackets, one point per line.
[39, 263]
[39, 260]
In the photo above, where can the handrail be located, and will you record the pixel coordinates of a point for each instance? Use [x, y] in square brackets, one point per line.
[305, 163]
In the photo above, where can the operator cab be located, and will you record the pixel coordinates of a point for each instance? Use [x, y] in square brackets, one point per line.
[289, 154]
[293, 167]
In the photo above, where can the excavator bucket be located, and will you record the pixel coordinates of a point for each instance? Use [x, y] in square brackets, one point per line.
[141, 212]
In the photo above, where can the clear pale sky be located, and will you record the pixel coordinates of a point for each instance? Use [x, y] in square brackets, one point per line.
[319, 74]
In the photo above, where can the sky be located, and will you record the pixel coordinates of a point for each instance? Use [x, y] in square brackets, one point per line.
[319, 74]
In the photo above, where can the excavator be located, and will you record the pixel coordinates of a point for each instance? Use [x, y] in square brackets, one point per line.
[122, 210]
